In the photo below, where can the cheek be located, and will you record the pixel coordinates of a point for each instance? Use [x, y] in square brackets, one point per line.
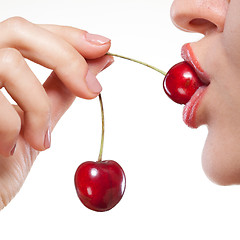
[221, 156]
[231, 33]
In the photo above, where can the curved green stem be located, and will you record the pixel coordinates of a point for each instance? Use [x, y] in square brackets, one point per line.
[100, 97]
[137, 61]
[102, 138]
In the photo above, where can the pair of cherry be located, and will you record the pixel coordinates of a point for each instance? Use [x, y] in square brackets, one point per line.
[100, 185]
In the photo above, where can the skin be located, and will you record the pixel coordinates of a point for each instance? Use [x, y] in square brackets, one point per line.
[218, 53]
[65, 50]
[28, 125]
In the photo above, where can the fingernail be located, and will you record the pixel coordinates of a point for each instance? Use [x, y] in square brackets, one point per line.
[108, 63]
[47, 139]
[92, 83]
[13, 149]
[96, 39]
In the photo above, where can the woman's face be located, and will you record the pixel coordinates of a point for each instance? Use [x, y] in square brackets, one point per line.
[218, 55]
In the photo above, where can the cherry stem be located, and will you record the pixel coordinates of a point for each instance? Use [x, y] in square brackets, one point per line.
[137, 61]
[100, 97]
[102, 138]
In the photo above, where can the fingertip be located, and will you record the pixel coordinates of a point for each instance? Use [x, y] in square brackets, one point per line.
[95, 67]
[94, 45]
[47, 139]
[98, 65]
[92, 83]
[39, 142]
[109, 61]
[37, 126]
[96, 39]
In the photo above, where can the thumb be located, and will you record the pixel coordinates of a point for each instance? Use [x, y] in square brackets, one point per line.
[61, 98]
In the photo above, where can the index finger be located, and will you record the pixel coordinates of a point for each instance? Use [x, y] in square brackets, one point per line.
[90, 46]
[51, 51]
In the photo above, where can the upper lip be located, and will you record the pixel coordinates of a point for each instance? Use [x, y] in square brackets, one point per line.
[188, 55]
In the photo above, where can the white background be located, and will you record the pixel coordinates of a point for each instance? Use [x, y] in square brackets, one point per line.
[167, 195]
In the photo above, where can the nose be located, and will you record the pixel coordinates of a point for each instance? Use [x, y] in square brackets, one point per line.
[201, 16]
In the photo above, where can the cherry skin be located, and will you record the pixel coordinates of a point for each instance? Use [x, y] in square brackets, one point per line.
[100, 185]
[181, 82]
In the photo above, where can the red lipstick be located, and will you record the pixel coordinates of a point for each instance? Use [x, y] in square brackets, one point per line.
[190, 109]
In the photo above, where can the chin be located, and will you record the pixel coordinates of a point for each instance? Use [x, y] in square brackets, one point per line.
[221, 176]
[221, 161]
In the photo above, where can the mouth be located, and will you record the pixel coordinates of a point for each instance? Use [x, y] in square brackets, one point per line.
[190, 109]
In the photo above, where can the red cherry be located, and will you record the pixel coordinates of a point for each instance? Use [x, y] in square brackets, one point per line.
[181, 82]
[100, 185]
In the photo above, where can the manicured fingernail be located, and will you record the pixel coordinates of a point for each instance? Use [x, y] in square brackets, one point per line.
[92, 83]
[13, 149]
[96, 39]
[108, 63]
[47, 139]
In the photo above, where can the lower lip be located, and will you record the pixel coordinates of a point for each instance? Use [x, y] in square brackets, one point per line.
[190, 109]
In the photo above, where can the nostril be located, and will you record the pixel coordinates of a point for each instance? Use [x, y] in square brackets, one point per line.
[202, 24]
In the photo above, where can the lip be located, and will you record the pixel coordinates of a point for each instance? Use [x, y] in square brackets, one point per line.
[190, 109]
[189, 56]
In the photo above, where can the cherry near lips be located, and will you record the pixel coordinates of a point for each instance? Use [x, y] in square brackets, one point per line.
[100, 185]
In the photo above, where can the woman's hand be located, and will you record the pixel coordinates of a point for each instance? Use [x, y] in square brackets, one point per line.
[25, 129]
